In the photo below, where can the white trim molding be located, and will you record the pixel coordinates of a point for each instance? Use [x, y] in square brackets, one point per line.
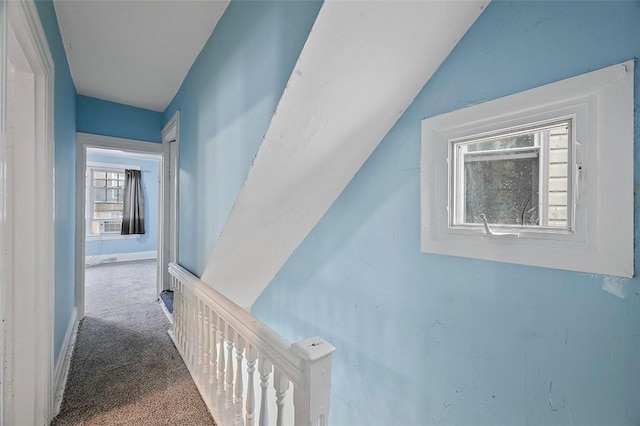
[100, 259]
[28, 194]
[85, 141]
[599, 175]
[4, 261]
[109, 237]
[99, 165]
[63, 363]
[171, 141]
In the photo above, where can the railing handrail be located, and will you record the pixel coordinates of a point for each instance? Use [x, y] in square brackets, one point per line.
[290, 359]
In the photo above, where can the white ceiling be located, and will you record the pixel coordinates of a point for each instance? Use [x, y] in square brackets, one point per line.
[134, 52]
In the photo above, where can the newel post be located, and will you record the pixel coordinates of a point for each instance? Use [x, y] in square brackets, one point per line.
[312, 395]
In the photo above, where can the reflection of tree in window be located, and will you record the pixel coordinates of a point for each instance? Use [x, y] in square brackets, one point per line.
[519, 177]
[506, 191]
[520, 141]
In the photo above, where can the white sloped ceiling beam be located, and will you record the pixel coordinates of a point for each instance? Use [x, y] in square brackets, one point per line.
[361, 67]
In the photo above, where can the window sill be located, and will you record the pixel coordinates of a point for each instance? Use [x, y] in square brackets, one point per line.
[103, 237]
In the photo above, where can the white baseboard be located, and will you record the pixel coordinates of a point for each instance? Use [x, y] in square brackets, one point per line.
[119, 257]
[63, 362]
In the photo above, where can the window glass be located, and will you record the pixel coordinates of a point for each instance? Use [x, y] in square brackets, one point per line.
[504, 190]
[113, 194]
[107, 202]
[513, 177]
[520, 141]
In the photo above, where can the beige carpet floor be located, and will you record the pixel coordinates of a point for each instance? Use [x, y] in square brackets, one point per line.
[125, 369]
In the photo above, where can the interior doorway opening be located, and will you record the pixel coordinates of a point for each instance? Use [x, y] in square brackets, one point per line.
[125, 263]
[102, 165]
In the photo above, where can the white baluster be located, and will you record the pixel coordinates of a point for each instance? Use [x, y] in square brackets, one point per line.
[176, 314]
[182, 314]
[281, 385]
[194, 330]
[264, 369]
[177, 311]
[252, 355]
[213, 349]
[187, 334]
[221, 364]
[228, 396]
[200, 337]
[188, 329]
[205, 346]
[237, 400]
[185, 310]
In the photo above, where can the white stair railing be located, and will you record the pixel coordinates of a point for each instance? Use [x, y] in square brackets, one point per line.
[224, 347]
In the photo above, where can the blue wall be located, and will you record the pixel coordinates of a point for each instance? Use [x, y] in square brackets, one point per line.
[428, 339]
[226, 103]
[148, 241]
[65, 166]
[112, 119]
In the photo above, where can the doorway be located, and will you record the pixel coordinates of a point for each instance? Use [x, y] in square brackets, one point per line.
[118, 266]
[101, 166]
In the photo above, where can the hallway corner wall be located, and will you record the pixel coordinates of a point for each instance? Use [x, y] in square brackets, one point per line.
[100, 117]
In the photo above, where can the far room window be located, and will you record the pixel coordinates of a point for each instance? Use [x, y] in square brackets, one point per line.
[513, 177]
[106, 199]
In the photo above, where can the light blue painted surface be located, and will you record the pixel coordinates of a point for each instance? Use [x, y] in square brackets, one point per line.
[113, 119]
[434, 340]
[147, 241]
[226, 103]
[65, 166]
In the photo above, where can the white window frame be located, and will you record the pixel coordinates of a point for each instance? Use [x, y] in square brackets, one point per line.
[600, 238]
[115, 167]
[540, 151]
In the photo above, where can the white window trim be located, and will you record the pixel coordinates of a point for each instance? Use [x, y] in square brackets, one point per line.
[601, 105]
[89, 201]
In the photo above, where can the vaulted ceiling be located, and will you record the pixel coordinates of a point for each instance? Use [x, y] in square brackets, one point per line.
[134, 52]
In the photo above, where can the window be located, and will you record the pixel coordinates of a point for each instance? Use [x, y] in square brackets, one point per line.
[513, 178]
[105, 200]
[543, 177]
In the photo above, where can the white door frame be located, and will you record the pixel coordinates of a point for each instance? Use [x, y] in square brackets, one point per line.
[84, 141]
[171, 142]
[3, 197]
[27, 235]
